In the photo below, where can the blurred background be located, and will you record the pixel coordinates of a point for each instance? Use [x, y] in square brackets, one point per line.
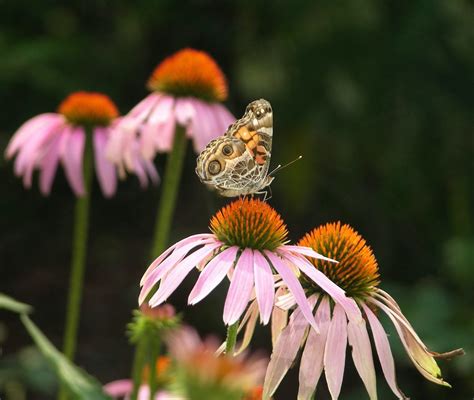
[377, 97]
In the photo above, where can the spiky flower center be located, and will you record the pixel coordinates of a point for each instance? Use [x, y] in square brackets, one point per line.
[192, 73]
[357, 271]
[88, 109]
[249, 223]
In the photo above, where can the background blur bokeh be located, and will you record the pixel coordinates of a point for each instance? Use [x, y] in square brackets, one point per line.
[376, 95]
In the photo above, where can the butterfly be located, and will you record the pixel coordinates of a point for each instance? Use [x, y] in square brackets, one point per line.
[236, 163]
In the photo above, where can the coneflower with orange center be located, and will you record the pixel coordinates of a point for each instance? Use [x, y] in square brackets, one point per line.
[247, 244]
[357, 274]
[187, 89]
[50, 139]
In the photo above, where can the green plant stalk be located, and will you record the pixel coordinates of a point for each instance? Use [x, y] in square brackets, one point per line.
[78, 262]
[169, 187]
[154, 352]
[231, 339]
[139, 362]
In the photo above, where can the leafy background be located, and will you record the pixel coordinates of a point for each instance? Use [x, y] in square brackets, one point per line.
[376, 95]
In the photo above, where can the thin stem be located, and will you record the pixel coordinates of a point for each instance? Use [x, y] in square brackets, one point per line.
[231, 338]
[78, 262]
[139, 362]
[154, 352]
[170, 186]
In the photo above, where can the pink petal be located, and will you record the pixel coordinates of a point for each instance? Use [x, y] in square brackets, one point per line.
[279, 319]
[181, 243]
[156, 131]
[165, 140]
[213, 274]
[72, 158]
[294, 286]
[184, 111]
[144, 107]
[362, 355]
[335, 351]
[284, 352]
[308, 252]
[204, 127]
[240, 288]
[105, 170]
[177, 275]
[150, 169]
[120, 388]
[49, 164]
[249, 321]
[312, 358]
[326, 284]
[223, 117]
[384, 352]
[264, 286]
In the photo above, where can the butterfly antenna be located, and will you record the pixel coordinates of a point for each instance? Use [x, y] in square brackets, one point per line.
[280, 167]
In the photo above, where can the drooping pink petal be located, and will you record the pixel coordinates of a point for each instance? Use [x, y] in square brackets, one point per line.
[335, 351]
[249, 321]
[307, 251]
[105, 170]
[162, 269]
[264, 286]
[223, 116]
[119, 388]
[204, 127]
[384, 352]
[312, 358]
[49, 164]
[181, 243]
[177, 275]
[165, 140]
[72, 159]
[326, 284]
[284, 352]
[294, 286]
[418, 353]
[362, 355]
[144, 107]
[30, 129]
[213, 274]
[184, 111]
[240, 288]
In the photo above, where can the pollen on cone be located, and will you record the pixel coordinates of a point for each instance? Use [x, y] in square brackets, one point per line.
[88, 108]
[357, 270]
[249, 223]
[190, 72]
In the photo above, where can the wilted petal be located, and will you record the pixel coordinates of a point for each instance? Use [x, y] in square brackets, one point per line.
[312, 358]
[362, 355]
[279, 317]
[249, 321]
[284, 352]
[335, 351]
[384, 352]
[240, 288]
[212, 274]
[264, 286]
[177, 275]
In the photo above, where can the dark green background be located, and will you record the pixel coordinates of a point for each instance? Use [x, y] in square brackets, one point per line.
[376, 95]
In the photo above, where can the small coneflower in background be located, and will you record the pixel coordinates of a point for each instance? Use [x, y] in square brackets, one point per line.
[357, 273]
[47, 140]
[201, 374]
[247, 244]
[186, 90]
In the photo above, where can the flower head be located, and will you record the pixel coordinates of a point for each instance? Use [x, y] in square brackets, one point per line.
[205, 375]
[248, 246]
[187, 89]
[357, 273]
[47, 140]
[190, 73]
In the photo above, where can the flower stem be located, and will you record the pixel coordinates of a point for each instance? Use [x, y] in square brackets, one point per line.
[153, 354]
[231, 338]
[78, 262]
[170, 186]
[139, 362]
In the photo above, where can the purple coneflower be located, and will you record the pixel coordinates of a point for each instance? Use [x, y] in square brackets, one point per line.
[357, 273]
[52, 138]
[247, 244]
[187, 89]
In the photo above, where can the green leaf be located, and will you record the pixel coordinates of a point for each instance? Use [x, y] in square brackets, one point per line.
[78, 382]
[11, 304]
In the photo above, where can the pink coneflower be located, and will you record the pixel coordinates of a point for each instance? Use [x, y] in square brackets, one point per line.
[357, 273]
[48, 139]
[201, 374]
[247, 244]
[187, 89]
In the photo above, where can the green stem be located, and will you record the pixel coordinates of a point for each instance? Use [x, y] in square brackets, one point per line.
[231, 338]
[154, 352]
[169, 187]
[78, 262]
[139, 362]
